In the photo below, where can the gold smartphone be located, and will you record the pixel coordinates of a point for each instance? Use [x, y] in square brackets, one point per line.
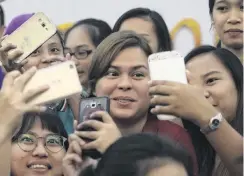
[62, 79]
[31, 35]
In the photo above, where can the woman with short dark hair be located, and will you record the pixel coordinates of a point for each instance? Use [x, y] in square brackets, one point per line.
[38, 147]
[119, 70]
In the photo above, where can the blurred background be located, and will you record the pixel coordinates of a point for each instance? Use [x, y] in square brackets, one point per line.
[188, 20]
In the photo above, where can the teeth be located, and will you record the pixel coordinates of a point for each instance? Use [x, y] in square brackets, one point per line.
[123, 100]
[38, 166]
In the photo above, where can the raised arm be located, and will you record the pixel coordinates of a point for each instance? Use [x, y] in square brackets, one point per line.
[228, 144]
[188, 102]
[13, 104]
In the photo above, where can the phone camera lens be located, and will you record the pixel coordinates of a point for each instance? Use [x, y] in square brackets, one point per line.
[43, 25]
[93, 105]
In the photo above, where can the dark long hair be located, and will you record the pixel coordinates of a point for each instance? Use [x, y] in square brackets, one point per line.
[2, 17]
[161, 29]
[98, 30]
[204, 151]
[132, 156]
[211, 6]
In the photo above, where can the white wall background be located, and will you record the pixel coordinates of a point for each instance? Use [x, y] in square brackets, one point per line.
[61, 11]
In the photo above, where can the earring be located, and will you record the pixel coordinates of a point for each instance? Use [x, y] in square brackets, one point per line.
[212, 25]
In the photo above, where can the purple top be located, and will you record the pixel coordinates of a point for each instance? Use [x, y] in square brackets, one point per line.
[16, 23]
[1, 77]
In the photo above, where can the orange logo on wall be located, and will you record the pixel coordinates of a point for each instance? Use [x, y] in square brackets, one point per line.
[190, 24]
[194, 27]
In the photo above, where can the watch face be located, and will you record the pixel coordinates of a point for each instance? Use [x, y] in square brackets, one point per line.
[215, 123]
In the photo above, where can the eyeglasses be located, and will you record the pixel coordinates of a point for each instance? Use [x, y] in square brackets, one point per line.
[52, 142]
[80, 53]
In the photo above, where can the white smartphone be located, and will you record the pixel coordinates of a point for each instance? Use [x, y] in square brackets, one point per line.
[168, 66]
[31, 35]
[62, 79]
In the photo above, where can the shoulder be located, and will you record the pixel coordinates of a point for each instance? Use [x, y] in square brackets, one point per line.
[171, 128]
[175, 132]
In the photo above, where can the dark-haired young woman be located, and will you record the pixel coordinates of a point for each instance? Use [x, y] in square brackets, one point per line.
[213, 103]
[227, 21]
[81, 41]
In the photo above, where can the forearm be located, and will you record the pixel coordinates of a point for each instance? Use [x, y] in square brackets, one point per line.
[228, 144]
[5, 153]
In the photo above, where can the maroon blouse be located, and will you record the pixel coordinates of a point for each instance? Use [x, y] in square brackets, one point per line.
[173, 131]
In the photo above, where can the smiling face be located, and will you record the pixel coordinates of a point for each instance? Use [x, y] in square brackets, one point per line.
[40, 161]
[126, 83]
[228, 22]
[209, 73]
[79, 42]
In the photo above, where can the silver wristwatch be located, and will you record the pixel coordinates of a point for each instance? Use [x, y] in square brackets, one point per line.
[213, 125]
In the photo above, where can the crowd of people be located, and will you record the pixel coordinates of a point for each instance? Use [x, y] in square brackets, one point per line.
[46, 140]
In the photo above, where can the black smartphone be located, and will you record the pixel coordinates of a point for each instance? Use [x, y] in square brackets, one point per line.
[87, 107]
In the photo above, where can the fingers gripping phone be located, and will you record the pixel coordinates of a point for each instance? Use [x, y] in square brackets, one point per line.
[87, 107]
[168, 66]
[31, 35]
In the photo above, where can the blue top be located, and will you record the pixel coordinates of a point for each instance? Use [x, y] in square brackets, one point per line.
[66, 115]
[67, 118]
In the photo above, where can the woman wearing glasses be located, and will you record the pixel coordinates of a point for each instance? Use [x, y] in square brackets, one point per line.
[39, 146]
[80, 42]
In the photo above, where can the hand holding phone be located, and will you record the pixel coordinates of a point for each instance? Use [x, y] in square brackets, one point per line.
[9, 53]
[87, 107]
[29, 36]
[169, 66]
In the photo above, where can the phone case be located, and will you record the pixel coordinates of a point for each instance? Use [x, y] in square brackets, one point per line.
[90, 105]
[31, 34]
[87, 107]
[63, 81]
[168, 66]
